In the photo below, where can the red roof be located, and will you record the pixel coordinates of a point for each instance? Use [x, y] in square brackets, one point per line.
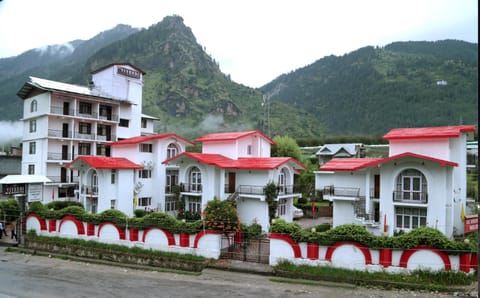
[428, 132]
[231, 136]
[355, 164]
[143, 139]
[103, 162]
[245, 163]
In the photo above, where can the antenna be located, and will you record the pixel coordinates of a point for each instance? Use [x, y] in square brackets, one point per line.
[266, 114]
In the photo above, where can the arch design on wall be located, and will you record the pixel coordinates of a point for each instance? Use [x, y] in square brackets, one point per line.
[41, 221]
[170, 237]
[203, 233]
[365, 251]
[78, 224]
[409, 252]
[121, 232]
[297, 253]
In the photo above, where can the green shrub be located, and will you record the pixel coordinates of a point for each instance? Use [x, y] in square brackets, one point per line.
[221, 215]
[139, 213]
[10, 210]
[58, 205]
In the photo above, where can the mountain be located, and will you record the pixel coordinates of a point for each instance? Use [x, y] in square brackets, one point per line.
[367, 91]
[373, 89]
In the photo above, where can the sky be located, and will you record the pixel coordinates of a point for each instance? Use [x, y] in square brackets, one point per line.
[254, 41]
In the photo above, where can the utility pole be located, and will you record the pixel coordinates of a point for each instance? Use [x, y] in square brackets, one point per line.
[266, 114]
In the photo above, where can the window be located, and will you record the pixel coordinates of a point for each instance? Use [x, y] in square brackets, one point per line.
[170, 204]
[249, 149]
[31, 169]
[172, 150]
[195, 180]
[172, 178]
[282, 181]
[101, 150]
[113, 204]
[195, 205]
[33, 125]
[84, 128]
[31, 148]
[112, 176]
[84, 149]
[146, 148]
[410, 217]
[282, 207]
[145, 174]
[144, 123]
[411, 186]
[33, 106]
[85, 108]
[144, 201]
[123, 123]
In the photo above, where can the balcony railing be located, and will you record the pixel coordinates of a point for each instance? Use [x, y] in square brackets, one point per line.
[60, 179]
[89, 189]
[250, 189]
[418, 197]
[60, 156]
[192, 187]
[84, 136]
[61, 111]
[59, 133]
[70, 112]
[341, 191]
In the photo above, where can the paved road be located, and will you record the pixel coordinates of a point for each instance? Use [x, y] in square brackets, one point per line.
[35, 276]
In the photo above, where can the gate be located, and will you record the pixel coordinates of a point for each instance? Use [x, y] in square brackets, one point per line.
[240, 247]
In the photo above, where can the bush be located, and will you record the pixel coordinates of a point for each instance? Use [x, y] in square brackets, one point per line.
[221, 215]
[58, 205]
[139, 213]
[10, 210]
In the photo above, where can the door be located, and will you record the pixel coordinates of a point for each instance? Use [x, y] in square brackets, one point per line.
[411, 187]
[231, 182]
[376, 187]
[65, 130]
[66, 108]
[63, 175]
[64, 152]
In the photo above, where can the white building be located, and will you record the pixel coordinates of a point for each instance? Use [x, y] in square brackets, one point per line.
[421, 183]
[63, 121]
[237, 166]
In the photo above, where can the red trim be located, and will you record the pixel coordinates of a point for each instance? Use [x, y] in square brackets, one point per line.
[203, 233]
[362, 248]
[90, 229]
[474, 261]
[104, 162]
[465, 261]
[184, 239]
[409, 252]
[312, 251]
[230, 136]
[133, 234]
[121, 232]
[52, 225]
[78, 224]
[297, 253]
[385, 257]
[428, 132]
[41, 221]
[170, 237]
[141, 139]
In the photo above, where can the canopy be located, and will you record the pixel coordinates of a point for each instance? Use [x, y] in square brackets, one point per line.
[17, 179]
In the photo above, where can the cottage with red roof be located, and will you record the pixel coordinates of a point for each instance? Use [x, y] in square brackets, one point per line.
[421, 183]
[237, 166]
[134, 178]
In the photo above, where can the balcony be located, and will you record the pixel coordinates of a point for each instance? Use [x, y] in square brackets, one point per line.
[195, 188]
[258, 189]
[84, 136]
[56, 156]
[70, 112]
[415, 197]
[352, 192]
[89, 189]
[64, 179]
[54, 133]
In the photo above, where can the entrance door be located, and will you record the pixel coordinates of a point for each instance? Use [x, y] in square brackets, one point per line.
[231, 182]
[63, 175]
[65, 130]
[376, 187]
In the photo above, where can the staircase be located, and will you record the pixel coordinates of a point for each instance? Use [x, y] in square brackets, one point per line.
[233, 197]
[361, 214]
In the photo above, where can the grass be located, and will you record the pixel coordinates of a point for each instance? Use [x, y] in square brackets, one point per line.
[444, 281]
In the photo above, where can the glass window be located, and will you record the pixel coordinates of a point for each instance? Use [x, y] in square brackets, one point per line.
[411, 186]
[145, 201]
[145, 174]
[84, 128]
[144, 123]
[112, 176]
[31, 169]
[282, 207]
[410, 217]
[146, 148]
[123, 123]
[32, 148]
[85, 108]
[33, 106]
[195, 180]
[170, 203]
[84, 149]
[172, 150]
[33, 125]
[194, 205]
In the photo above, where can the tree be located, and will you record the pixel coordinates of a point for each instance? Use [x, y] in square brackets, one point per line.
[286, 147]
[270, 191]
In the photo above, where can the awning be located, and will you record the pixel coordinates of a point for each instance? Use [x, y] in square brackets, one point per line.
[17, 179]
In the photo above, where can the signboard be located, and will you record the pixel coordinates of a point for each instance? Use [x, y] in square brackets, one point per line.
[128, 72]
[13, 189]
[471, 223]
[35, 192]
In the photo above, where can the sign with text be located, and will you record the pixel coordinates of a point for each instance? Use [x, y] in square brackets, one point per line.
[35, 192]
[13, 189]
[128, 72]
[471, 223]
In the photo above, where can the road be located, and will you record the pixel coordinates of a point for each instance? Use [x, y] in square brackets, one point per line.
[23, 275]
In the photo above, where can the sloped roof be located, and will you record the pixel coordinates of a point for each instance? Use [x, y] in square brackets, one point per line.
[231, 136]
[245, 163]
[428, 132]
[103, 162]
[333, 149]
[355, 164]
[143, 139]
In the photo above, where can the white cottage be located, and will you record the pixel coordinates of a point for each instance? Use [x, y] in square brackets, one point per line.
[237, 166]
[421, 183]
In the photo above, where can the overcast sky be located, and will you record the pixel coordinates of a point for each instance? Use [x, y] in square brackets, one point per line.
[253, 40]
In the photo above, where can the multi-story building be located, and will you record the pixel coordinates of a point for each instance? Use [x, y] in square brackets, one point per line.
[63, 121]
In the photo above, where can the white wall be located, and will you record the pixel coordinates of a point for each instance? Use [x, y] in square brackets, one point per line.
[437, 148]
[253, 210]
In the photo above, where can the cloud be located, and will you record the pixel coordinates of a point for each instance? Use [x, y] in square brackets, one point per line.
[11, 132]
